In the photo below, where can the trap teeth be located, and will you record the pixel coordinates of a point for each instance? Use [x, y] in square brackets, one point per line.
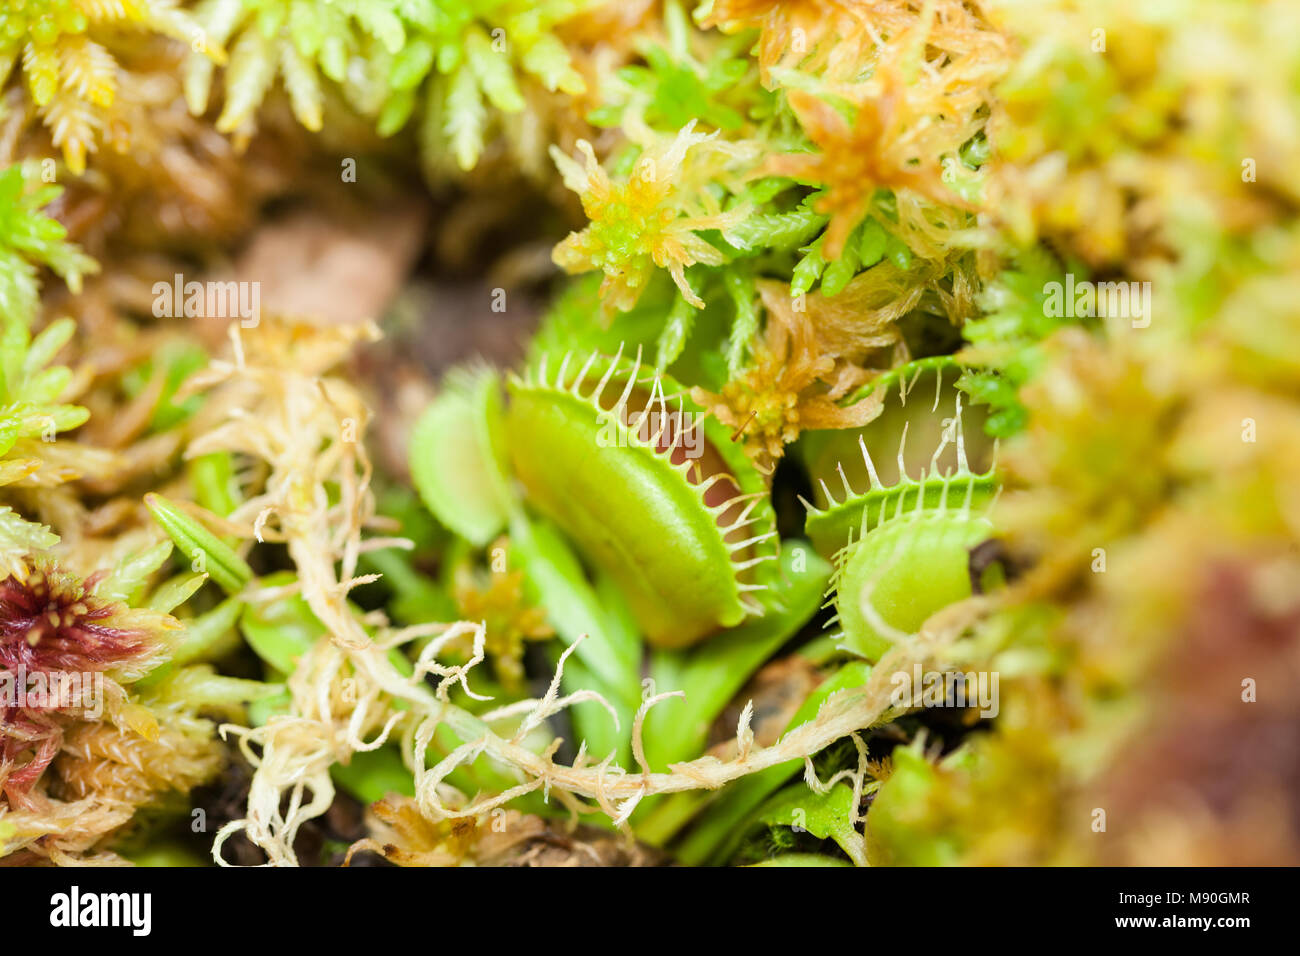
[634, 512]
[871, 465]
[830, 521]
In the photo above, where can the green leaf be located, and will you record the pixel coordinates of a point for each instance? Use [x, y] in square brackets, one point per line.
[303, 85]
[396, 112]
[776, 231]
[802, 859]
[720, 829]
[334, 58]
[677, 329]
[208, 637]
[215, 485]
[131, 573]
[263, 709]
[201, 688]
[456, 459]
[898, 252]
[174, 592]
[227, 568]
[411, 65]
[48, 344]
[371, 775]
[465, 117]
[873, 241]
[280, 631]
[557, 582]
[283, 630]
[744, 327]
[493, 72]
[253, 63]
[808, 269]
[305, 28]
[712, 673]
[839, 273]
[548, 59]
[825, 815]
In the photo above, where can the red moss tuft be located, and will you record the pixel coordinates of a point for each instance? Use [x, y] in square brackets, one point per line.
[51, 622]
[29, 741]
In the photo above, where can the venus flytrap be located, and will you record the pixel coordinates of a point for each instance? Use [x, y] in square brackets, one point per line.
[659, 523]
[561, 586]
[910, 566]
[307, 737]
[904, 543]
[939, 465]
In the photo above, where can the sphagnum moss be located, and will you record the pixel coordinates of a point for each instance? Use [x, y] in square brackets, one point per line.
[792, 213]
